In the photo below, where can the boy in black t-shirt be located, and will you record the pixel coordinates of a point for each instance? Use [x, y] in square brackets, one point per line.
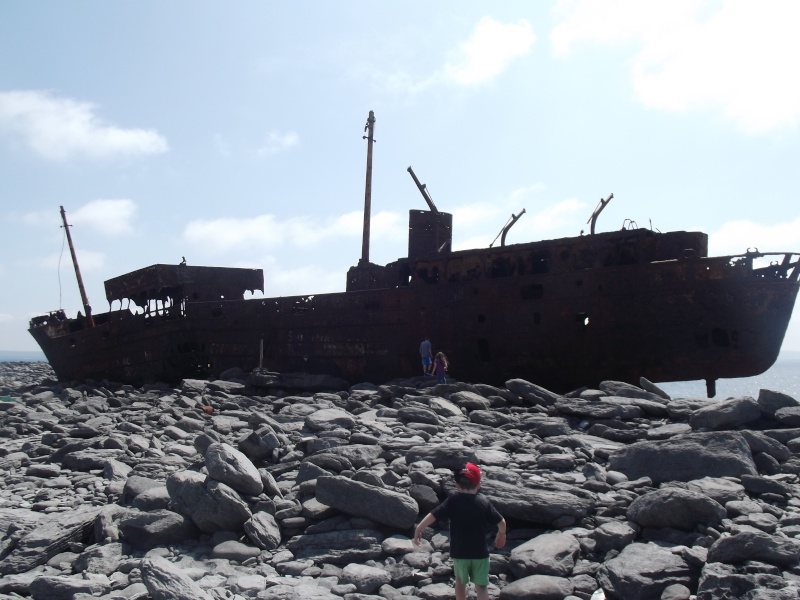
[470, 515]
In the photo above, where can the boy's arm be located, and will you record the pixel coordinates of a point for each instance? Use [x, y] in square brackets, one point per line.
[500, 538]
[428, 520]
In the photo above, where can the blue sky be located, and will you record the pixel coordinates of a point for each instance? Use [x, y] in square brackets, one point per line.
[231, 133]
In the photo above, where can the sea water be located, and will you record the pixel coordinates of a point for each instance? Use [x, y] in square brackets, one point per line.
[783, 376]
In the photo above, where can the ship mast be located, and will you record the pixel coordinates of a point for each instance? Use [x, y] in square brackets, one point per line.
[86, 306]
[369, 128]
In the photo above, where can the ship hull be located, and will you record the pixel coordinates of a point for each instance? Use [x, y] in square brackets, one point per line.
[687, 319]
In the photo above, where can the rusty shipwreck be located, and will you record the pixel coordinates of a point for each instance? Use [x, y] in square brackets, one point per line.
[562, 313]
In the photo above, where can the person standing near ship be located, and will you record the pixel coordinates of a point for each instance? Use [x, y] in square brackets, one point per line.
[427, 356]
[440, 365]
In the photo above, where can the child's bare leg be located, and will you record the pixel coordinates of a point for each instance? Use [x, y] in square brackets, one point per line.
[481, 591]
[461, 590]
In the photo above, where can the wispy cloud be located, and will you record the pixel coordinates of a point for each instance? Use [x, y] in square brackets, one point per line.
[311, 279]
[267, 231]
[735, 237]
[89, 261]
[735, 57]
[404, 83]
[109, 217]
[61, 128]
[489, 51]
[277, 142]
[478, 224]
[617, 22]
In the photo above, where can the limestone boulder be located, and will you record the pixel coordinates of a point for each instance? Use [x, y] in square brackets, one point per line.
[212, 505]
[538, 587]
[147, 530]
[231, 467]
[755, 545]
[537, 505]
[532, 393]
[719, 580]
[359, 499]
[263, 531]
[686, 457]
[166, 581]
[47, 538]
[367, 579]
[770, 401]
[729, 414]
[329, 418]
[546, 554]
[643, 571]
[676, 508]
[261, 443]
[338, 547]
[599, 408]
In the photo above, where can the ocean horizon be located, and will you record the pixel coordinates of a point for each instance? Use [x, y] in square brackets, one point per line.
[783, 376]
[22, 356]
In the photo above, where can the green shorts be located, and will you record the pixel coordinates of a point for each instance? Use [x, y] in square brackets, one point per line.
[472, 569]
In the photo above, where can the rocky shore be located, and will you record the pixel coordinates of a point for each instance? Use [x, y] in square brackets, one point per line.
[247, 487]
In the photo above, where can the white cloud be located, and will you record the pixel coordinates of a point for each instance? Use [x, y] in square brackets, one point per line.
[480, 213]
[556, 216]
[477, 214]
[475, 241]
[524, 192]
[487, 53]
[229, 233]
[267, 231]
[277, 142]
[88, 260]
[5, 318]
[738, 57]
[614, 22]
[489, 50]
[61, 128]
[552, 221]
[387, 226]
[477, 224]
[300, 281]
[348, 225]
[109, 217]
[402, 82]
[735, 237]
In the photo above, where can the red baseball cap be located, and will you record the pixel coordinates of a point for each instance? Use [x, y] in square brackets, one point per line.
[472, 472]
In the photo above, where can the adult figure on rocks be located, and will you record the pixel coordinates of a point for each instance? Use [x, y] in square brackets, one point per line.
[427, 356]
